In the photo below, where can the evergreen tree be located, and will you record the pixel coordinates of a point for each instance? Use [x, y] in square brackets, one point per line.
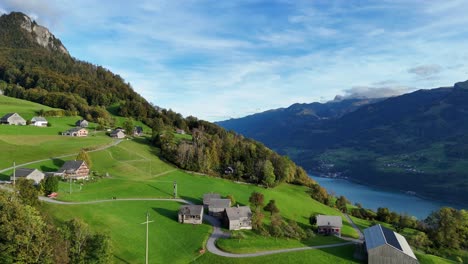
[271, 207]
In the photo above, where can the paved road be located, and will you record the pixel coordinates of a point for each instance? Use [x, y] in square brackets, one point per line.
[49, 200]
[361, 235]
[63, 156]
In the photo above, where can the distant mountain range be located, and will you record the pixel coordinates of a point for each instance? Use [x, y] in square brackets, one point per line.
[414, 142]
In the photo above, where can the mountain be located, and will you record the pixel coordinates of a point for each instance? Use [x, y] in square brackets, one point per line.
[35, 66]
[413, 142]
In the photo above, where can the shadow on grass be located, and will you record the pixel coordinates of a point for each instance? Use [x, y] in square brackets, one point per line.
[121, 259]
[344, 252]
[193, 200]
[4, 177]
[58, 162]
[161, 190]
[171, 214]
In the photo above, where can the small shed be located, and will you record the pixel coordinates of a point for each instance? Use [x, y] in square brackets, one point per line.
[82, 123]
[180, 131]
[138, 131]
[329, 224]
[30, 174]
[384, 246]
[117, 133]
[237, 218]
[217, 206]
[12, 119]
[39, 121]
[191, 214]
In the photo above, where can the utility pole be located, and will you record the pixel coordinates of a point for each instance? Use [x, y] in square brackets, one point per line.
[14, 173]
[175, 189]
[147, 222]
[70, 183]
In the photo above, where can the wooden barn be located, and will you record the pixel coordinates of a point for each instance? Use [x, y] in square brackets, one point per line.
[385, 246]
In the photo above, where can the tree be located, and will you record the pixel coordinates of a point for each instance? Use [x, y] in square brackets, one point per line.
[275, 227]
[341, 204]
[383, 214]
[28, 193]
[448, 228]
[83, 155]
[319, 193]
[268, 174]
[257, 219]
[128, 126]
[233, 200]
[256, 199]
[271, 207]
[51, 184]
[99, 249]
[77, 234]
[313, 219]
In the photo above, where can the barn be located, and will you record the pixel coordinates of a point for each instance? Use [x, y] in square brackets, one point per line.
[385, 246]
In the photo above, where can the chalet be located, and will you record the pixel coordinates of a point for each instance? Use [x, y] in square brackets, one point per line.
[39, 121]
[329, 225]
[180, 131]
[237, 218]
[81, 123]
[217, 206]
[385, 246]
[138, 131]
[191, 214]
[30, 174]
[74, 169]
[117, 133]
[12, 119]
[76, 132]
[208, 196]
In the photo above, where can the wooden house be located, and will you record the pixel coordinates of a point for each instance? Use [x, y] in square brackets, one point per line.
[74, 169]
[191, 214]
[384, 246]
[76, 132]
[329, 225]
[30, 174]
[12, 119]
[237, 218]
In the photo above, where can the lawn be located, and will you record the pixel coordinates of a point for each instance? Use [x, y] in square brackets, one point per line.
[24, 108]
[169, 241]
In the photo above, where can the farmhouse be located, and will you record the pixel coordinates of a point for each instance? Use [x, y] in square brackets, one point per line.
[329, 224]
[76, 132]
[191, 214]
[237, 218]
[208, 196]
[12, 119]
[217, 206]
[39, 121]
[385, 246]
[30, 174]
[180, 131]
[138, 131]
[74, 169]
[81, 123]
[117, 133]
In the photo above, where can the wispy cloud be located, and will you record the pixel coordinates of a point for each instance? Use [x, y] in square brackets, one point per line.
[231, 58]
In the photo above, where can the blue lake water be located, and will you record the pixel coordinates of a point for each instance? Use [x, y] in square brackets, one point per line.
[373, 198]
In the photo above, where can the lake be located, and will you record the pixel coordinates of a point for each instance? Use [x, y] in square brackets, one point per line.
[373, 198]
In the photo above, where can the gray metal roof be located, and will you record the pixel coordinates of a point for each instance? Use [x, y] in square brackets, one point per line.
[220, 203]
[5, 117]
[38, 118]
[208, 196]
[23, 172]
[71, 165]
[75, 129]
[191, 210]
[378, 235]
[236, 213]
[329, 220]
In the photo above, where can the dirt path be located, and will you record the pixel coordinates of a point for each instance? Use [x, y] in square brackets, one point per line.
[361, 235]
[62, 156]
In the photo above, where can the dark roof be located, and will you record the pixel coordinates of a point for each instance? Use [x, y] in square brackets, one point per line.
[378, 235]
[138, 129]
[191, 209]
[78, 123]
[72, 165]
[220, 203]
[236, 213]
[75, 129]
[114, 132]
[23, 172]
[208, 196]
[5, 117]
[329, 220]
[38, 118]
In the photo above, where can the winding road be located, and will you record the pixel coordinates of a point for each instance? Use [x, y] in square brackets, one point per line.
[217, 231]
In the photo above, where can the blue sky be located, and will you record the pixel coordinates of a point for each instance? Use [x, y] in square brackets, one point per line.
[222, 59]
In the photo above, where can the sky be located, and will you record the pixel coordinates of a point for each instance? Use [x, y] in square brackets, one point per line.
[227, 59]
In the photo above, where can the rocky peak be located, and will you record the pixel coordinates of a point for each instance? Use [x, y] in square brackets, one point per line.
[39, 34]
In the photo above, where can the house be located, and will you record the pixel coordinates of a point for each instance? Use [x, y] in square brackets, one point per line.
[138, 131]
[12, 119]
[191, 214]
[217, 206]
[74, 169]
[39, 121]
[329, 224]
[117, 133]
[76, 132]
[30, 174]
[180, 131]
[81, 123]
[385, 246]
[208, 196]
[237, 218]
[229, 170]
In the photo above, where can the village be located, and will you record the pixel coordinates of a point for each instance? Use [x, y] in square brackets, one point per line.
[381, 244]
